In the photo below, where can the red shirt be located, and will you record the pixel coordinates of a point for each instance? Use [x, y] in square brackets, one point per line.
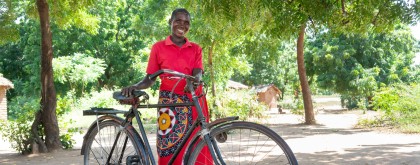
[166, 55]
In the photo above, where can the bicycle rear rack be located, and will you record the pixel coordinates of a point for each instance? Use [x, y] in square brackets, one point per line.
[102, 111]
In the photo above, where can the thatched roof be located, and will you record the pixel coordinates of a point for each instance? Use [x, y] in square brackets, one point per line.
[4, 82]
[264, 88]
[236, 85]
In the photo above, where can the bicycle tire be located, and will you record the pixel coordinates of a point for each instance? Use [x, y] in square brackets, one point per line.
[246, 143]
[98, 146]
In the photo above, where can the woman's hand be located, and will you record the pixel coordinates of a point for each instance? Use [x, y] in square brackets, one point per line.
[143, 84]
[127, 91]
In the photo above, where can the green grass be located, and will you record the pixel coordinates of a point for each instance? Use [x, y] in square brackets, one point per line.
[410, 123]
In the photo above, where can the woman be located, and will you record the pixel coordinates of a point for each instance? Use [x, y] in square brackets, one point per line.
[179, 54]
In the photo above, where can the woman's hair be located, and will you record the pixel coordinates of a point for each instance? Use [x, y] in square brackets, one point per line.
[179, 10]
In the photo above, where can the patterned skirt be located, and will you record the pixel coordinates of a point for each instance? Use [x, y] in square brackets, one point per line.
[174, 123]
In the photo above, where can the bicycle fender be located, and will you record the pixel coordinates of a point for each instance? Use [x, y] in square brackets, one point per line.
[93, 126]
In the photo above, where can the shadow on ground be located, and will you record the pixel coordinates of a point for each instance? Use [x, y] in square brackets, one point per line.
[365, 154]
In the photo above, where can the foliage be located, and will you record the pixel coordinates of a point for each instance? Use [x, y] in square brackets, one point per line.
[22, 110]
[272, 62]
[397, 98]
[285, 20]
[78, 70]
[98, 99]
[238, 103]
[8, 29]
[23, 107]
[295, 104]
[64, 107]
[118, 43]
[18, 133]
[401, 104]
[378, 121]
[17, 130]
[20, 61]
[357, 65]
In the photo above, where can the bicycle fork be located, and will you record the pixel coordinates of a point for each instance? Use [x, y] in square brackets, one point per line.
[212, 145]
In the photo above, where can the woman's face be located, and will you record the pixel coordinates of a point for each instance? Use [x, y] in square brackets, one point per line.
[180, 24]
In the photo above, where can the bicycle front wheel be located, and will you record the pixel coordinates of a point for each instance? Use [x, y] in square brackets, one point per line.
[245, 143]
[99, 144]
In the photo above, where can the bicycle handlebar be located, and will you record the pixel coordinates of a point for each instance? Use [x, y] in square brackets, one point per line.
[172, 72]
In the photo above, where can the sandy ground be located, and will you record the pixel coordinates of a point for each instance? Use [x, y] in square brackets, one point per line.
[334, 140]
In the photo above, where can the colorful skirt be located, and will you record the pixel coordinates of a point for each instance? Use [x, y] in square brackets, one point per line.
[174, 123]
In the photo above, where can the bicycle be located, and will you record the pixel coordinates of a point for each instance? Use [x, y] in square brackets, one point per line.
[229, 140]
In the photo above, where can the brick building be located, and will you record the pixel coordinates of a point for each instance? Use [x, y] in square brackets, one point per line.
[5, 84]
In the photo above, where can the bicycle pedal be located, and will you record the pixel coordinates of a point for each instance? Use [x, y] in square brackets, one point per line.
[221, 137]
[133, 160]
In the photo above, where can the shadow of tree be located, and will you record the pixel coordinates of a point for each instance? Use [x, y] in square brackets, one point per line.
[365, 154]
[290, 131]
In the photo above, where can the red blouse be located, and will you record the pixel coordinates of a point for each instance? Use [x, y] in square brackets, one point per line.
[166, 55]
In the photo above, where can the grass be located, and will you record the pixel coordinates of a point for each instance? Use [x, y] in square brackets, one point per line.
[410, 123]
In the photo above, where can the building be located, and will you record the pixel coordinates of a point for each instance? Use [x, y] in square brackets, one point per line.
[235, 85]
[268, 94]
[5, 84]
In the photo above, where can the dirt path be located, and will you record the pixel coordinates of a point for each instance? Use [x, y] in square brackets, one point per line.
[333, 141]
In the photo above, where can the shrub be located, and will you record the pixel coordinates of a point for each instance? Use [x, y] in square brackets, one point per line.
[237, 103]
[97, 99]
[17, 130]
[400, 103]
[18, 133]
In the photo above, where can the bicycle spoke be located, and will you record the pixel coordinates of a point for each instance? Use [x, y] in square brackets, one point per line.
[100, 144]
[249, 143]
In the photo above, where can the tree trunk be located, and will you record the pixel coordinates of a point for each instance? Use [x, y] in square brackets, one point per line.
[48, 93]
[306, 91]
[37, 144]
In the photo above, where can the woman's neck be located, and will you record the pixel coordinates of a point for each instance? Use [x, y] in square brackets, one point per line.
[179, 41]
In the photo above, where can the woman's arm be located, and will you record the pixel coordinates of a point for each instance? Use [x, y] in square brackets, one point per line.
[143, 84]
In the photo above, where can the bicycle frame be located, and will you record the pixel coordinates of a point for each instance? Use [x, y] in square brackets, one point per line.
[201, 139]
[200, 121]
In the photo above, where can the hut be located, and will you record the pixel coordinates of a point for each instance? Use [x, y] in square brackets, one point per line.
[5, 84]
[235, 85]
[268, 94]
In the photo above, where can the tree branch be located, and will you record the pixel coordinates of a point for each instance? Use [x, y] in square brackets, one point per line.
[313, 24]
[376, 17]
[343, 7]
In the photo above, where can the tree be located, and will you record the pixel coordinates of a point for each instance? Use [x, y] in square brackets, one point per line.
[64, 16]
[47, 115]
[272, 62]
[357, 65]
[286, 19]
[8, 29]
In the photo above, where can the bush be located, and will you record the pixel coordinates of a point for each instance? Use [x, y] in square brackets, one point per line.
[101, 99]
[237, 103]
[18, 133]
[401, 104]
[17, 130]
[352, 102]
[295, 104]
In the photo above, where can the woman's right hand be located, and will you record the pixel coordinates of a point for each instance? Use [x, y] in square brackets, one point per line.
[127, 91]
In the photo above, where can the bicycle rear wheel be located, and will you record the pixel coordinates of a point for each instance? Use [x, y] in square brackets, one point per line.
[99, 145]
[246, 143]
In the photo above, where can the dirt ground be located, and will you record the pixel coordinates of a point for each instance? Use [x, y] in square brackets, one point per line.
[334, 140]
